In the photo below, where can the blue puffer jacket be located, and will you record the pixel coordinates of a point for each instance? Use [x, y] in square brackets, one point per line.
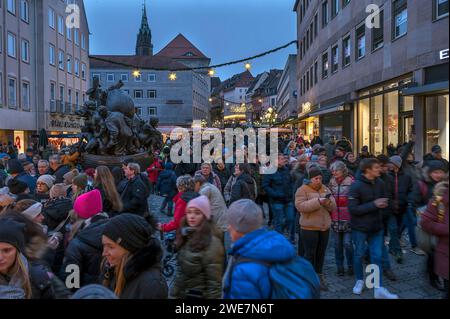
[250, 280]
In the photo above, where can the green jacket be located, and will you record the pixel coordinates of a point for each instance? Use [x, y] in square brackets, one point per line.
[200, 272]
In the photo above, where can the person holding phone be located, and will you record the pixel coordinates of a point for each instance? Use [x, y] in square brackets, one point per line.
[367, 199]
[314, 202]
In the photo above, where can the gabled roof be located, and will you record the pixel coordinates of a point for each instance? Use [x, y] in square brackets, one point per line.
[181, 48]
[147, 62]
[270, 84]
[243, 79]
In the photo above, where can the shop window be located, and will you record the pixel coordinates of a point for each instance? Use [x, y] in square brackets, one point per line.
[377, 124]
[406, 103]
[436, 123]
[391, 109]
[364, 123]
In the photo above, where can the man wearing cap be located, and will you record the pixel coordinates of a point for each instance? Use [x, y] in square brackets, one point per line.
[16, 170]
[250, 279]
[436, 154]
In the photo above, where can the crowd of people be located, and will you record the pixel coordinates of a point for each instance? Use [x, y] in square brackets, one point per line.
[57, 220]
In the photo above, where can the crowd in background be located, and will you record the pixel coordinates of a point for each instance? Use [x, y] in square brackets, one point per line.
[54, 214]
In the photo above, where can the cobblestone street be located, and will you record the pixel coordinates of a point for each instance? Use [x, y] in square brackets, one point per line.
[412, 282]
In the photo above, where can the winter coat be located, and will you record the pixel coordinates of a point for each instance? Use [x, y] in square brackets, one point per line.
[326, 175]
[153, 171]
[297, 177]
[227, 189]
[106, 203]
[422, 191]
[217, 203]
[212, 179]
[341, 216]
[329, 148]
[435, 222]
[85, 251]
[134, 197]
[143, 276]
[29, 180]
[365, 216]
[56, 211]
[402, 187]
[181, 200]
[41, 197]
[244, 187]
[352, 167]
[278, 186]
[60, 172]
[314, 216]
[430, 157]
[250, 280]
[167, 183]
[186, 169]
[389, 184]
[224, 175]
[316, 140]
[199, 271]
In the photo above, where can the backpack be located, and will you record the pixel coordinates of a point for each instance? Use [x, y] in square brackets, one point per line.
[294, 279]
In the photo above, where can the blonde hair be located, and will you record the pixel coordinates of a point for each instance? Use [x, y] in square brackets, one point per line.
[119, 274]
[21, 271]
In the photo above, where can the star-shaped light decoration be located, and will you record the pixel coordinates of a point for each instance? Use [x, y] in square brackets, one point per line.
[172, 76]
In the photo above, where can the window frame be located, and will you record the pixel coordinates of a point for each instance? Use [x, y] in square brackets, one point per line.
[149, 95]
[10, 105]
[61, 60]
[137, 91]
[395, 13]
[325, 19]
[108, 77]
[334, 49]
[26, 51]
[28, 90]
[357, 38]
[152, 108]
[25, 9]
[378, 45]
[51, 18]
[51, 57]
[437, 17]
[324, 76]
[344, 39]
[12, 10]
[122, 77]
[12, 36]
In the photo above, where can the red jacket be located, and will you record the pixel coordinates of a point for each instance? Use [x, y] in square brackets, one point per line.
[181, 200]
[340, 194]
[153, 171]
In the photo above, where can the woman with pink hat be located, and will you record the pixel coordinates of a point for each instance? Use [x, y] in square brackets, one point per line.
[201, 254]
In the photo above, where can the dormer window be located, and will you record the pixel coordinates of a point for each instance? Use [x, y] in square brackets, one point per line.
[189, 54]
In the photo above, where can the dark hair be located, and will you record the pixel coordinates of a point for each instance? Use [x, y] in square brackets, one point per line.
[200, 239]
[368, 163]
[118, 175]
[244, 168]
[383, 159]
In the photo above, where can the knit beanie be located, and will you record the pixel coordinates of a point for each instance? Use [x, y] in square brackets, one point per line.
[88, 204]
[69, 176]
[58, 190]
[16, 186]
[12, 232]
[81, 181]
[396, 160]
[15, 166]
[130, 231]
[435, 165]
[202, 204]
[33, 211]
[245, 216]
[47, 180]
[314, 172]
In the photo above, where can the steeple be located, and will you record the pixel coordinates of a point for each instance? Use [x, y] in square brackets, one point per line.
[144, 44]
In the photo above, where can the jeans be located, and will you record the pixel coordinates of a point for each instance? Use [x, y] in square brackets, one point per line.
[394, 239]
[315, 244]
[410, 222]
[284, 217]
[343, 244]
[385, 255]
[167, 202]
[375, 243]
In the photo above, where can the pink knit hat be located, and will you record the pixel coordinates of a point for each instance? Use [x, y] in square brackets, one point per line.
[202, 204]
[88, 204]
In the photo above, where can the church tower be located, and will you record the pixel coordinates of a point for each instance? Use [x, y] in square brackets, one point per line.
[144, 44]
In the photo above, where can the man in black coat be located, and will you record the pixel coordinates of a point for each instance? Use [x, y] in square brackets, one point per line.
[367, 199]
[134, 196]
[435, 155]
[58, 170]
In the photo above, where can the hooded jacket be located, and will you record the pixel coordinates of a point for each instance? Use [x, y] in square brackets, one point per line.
[250, 280]
[167, 183]
[278, 186]
[143, 276]
[366, 217]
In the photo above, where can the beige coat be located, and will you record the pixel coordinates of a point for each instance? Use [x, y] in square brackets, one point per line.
[314, 216]
[218, 206]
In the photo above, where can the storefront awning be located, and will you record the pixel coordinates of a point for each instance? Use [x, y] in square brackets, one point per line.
[434, 88]
[330, 109]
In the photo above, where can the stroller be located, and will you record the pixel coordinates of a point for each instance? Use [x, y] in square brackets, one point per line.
[169, 260]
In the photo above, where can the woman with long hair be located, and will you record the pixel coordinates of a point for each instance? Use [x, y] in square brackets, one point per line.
[104, 182]
[20, 277]
[201, 254]
[132, 259]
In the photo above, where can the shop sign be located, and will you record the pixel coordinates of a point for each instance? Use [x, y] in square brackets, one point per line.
[443, 54]
[306, 107]
[64, 123]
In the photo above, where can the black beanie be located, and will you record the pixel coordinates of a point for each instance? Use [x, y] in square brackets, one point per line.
[435, 165]
[12, 232]
[314, 172]
[16, 186]
[15, 166]
[130, 231]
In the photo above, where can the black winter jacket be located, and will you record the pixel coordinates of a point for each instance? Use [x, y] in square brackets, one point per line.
[244, 187]
[143, 275]
[278, 186]
[134, 197]
[400, 196]
[366, 217]
[60, 172]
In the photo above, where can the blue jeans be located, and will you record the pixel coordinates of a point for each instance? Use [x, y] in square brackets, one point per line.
[393, 229]
[284, 217]
[410, 222]
[375, 243]
[343, 244]
[385, 255]
[167, 202]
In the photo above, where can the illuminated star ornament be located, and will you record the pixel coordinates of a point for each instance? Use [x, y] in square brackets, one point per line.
[211, 72]
[136, 73]
[248, 66]
[172, 76]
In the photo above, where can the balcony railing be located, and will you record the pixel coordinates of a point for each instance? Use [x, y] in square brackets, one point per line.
[61, 107]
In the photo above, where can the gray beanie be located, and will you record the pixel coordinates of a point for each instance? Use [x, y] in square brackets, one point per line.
[94, 292]
[245, 216]
[396, 160]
